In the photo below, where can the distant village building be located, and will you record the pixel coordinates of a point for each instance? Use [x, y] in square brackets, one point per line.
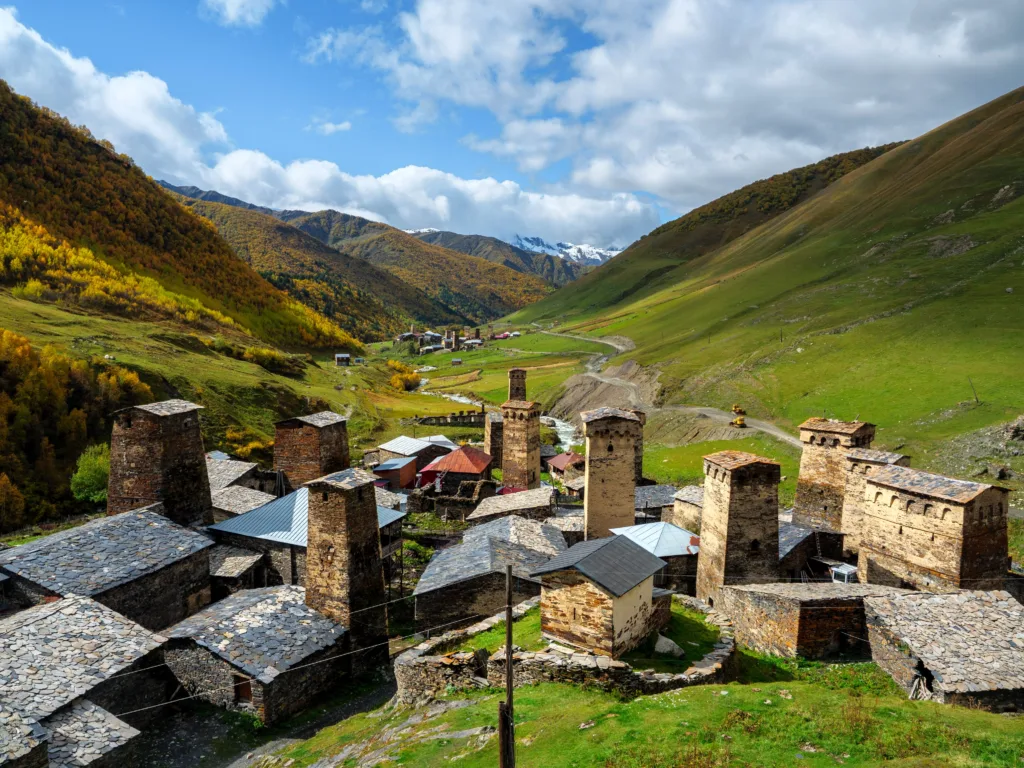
[399, 472]
[677, 547]
[611, 436]
[739, 538]
[308, 447]
[599, 595]
[342, 359]
[261, 651]
[156, 455]
[140, 564]
[536, 504]
[456, 361]
[566, 466]
[821, 485]
[687, 504]
[494, 436]
[465, 464]
[576, 487]
[932, 532]
[424, 451]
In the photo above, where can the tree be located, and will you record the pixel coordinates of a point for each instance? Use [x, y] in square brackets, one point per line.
[89, 483]
[12, 504]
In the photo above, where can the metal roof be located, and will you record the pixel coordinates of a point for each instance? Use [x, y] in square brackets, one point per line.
[396, 463]
[387, 516]
[564, 460]
[441, 440]
[405, 445]
[616, 563]
[662, 539]
[467, 460]
[927, 484]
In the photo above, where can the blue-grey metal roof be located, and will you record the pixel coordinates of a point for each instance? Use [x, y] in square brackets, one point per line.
[662, 539]
[386, 516]
[390, 464]
[615, 563]
[218, 455]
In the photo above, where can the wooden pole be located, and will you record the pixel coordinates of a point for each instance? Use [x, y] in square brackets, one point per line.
[973, 390]
[506, 719]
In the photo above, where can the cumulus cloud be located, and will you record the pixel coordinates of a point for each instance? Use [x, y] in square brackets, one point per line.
[327, 128]
[688, 99]
[239, 13]
[172, 140]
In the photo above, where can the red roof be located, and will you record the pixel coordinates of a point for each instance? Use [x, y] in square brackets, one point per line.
[565, 460]
[466, 460]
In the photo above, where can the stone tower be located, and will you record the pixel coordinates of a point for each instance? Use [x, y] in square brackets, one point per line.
[861, 464]
[308, 447]
[610, 500]
[639, 468]
[739, 534]
[156, 455]
[494, 437]
[516, 384]
[821, 485]
[344, 572]
[520, 453]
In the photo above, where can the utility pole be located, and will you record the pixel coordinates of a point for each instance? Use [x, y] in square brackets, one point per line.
[506, 718]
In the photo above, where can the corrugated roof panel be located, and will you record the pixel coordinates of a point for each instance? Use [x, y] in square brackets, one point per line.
[283, 520]
[662, 539]
[404, 445]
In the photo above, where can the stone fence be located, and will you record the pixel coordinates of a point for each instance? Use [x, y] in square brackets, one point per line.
[460, 419]
[427, 670]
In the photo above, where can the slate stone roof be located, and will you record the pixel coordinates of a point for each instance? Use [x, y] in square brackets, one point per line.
[970, 641]
[548, 451]
[237, 499]
[537, 536]
[790, 536]
[495, 416]
[386, 498]
[654, 496]
[736, 459]
[347, 478]
[169, 407]
[523, 405]
[18, 735]
[84, 732]
[56, 652]
[510, 502]
[263, 632]
[225, 472]
[814, 591]
[872, 456]
[615, 563]
[607, 413]
[322, 419]
[478, 557]
[576, 484]
[835, 426]
[662, 539]
[404, 446]
[691, 494]
[103, 553]
[231, 562]
[567, 523]
[927, 484]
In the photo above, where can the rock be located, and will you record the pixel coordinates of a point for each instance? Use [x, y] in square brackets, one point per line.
[668, 647]
[1009, 290]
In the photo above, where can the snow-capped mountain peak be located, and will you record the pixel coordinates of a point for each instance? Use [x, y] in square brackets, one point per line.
[422, 231]
[581, 253]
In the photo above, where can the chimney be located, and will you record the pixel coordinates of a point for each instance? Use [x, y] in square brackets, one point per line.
[344, 571]
[308, 447]
[610, 498]
[156, 455]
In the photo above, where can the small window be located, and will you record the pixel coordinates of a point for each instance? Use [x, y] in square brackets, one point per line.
[611, 448]
[243, 689]
[323, 496]
[755, 546]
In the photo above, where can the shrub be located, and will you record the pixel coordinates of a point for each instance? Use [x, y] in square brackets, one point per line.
[89, 483]
[405, 381]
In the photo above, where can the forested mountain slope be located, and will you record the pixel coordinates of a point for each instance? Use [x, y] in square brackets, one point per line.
[892, 295]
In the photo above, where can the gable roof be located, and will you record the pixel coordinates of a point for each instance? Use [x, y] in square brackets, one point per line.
[615, 563]
[395, 463]
[467, 460]
[321, 419]
[576, 484]
[791, 535]
[509, 502]
[225, 472]
[662, 539]
[538, 536]
[441, 440]
[404, 445]
[653, 496]
[386, 516]
[478, 557]
[928, 484]
[237, 499]
[564, 460]
[691, 494]
[103, 553]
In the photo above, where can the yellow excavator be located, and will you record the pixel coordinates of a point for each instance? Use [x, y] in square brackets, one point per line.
[739, 413]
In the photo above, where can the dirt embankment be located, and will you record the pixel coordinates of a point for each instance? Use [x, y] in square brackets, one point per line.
[629, 385]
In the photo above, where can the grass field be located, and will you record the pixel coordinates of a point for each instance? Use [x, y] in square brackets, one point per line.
[525, 634]
[686, 628]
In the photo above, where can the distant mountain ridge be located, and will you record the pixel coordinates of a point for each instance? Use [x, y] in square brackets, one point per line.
[580, 253]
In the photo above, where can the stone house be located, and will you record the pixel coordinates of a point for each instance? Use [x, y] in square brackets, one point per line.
[576, 488]
[540, 537]
[65, 667]
[424, 451]
[537, 504]
[397, 473]
[653, 503]
[804, 552]
[861, 463]
[932, 532]
[494, 436]
[233, 569]
[687, 504]
[308, 447]
[156, 456]
[677, 547]
[739, 538]
[465, 464]
[237, 500]
[813, 620]
[821, 484]
[599, 595]
[138, 563]
[962, 648]
[566, 466]
[262, 651]
[610, 501]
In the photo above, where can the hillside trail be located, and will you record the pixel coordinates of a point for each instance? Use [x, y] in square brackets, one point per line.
[621, 344]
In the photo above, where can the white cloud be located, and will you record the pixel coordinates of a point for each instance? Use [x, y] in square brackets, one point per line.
[688, 99]
[327, 128]
[172, 140]
[239, 13]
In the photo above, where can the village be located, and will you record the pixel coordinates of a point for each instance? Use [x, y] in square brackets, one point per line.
[261, 590]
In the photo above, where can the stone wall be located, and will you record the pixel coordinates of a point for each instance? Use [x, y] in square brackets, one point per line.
[739, 541]
[304, 452]
[520, 454]
[37, 757]
[460, 419]
[464, 602]
[284, 563]
[165, 597]
[462, 505]
[610, 500]
[852, 523]
[910, 539]
[679, 575]
[821, 484]
[494, 435]
[137, 690]
[159, 458]
[575, 611]
[684, 515]
[516, 384]
[638, 447]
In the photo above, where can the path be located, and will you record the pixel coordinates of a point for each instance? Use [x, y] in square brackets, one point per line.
[597, 362]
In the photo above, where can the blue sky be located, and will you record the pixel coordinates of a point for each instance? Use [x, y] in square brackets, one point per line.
[581, 120]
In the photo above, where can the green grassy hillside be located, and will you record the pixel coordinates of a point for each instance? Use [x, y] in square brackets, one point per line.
[553, 269]
[365, 300]
[885, 296]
